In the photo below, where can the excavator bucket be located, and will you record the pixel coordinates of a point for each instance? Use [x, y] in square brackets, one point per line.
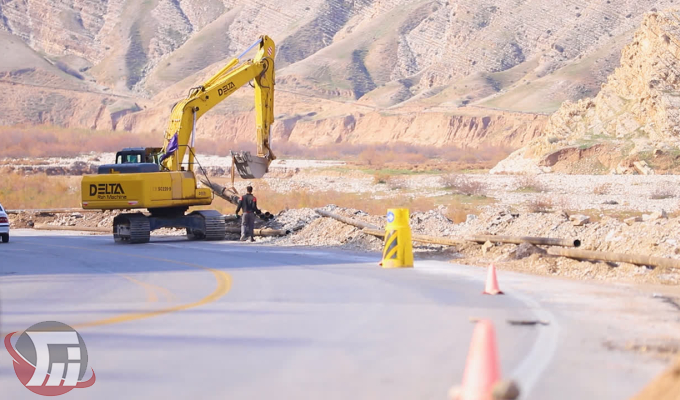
[249, 166]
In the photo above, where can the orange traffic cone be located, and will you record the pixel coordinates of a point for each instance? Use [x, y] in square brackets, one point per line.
[482, 370]
[492, 282]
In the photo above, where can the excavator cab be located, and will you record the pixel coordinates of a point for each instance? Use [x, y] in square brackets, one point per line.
[139, 155]
[134, 160]
[249, 166]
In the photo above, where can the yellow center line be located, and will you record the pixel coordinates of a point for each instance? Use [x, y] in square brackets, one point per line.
[151, 295]
[223, 279]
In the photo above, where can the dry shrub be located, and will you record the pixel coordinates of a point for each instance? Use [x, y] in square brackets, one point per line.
[603, 189]
[41, 141]
[459, 208]
[275, 202]
[462, 184]
[46, 141]
[380, 177]
[19, 191]
[529, 183]
[541, 204]
[661, 193]
[676, 213]
[397, 153]
[457, 215]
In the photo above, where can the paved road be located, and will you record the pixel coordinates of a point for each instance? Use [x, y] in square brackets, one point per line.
[194, 320]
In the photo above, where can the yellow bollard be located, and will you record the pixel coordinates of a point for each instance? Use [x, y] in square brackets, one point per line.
[398, 251]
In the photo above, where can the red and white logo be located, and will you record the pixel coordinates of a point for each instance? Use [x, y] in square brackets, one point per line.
[50, 359]
[269, 51]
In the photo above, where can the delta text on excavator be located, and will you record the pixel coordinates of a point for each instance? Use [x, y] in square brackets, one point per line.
[160, 181]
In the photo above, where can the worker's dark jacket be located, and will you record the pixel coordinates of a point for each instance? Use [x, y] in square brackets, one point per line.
[248, 204]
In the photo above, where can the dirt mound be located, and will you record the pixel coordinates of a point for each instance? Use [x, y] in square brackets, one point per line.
[656, 236]
[665, 387]
[313, 230]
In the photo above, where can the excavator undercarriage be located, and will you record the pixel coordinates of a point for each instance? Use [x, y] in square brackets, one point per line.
[200, 225]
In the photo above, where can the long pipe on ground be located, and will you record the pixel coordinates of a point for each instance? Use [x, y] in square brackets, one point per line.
[46, 227]
[375, 231]
[261, 232]
[52, 211]
[519, 240]
[419, 238]
[616, 257]
[348, 221]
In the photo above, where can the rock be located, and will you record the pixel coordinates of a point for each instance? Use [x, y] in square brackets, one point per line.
[623, 169]
[579, 220]
[562, 214]
[505, 390]
[643, 168]
[632, 220]
[656, 215]
[469, 218]
[525, 250]
[486, 247]
[611, 202]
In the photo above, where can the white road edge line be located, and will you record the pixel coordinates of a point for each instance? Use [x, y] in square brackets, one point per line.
[532, 367]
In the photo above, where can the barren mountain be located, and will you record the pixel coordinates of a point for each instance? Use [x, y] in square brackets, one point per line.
[464, 72]
[635, 117]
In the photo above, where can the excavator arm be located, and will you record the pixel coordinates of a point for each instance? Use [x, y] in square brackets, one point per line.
[181, 132]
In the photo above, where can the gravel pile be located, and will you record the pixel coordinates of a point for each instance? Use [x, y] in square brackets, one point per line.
[432, 223]
[320, 231]
[292, 220]
[656, 237]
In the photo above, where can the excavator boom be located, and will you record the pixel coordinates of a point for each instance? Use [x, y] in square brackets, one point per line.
[180, 134]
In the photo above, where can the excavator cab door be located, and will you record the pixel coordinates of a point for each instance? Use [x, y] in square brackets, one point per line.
[249, 166]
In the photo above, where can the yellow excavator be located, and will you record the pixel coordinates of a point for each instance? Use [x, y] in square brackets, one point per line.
[162, 182]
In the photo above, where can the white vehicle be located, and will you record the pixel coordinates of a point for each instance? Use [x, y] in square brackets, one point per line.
[4, 225]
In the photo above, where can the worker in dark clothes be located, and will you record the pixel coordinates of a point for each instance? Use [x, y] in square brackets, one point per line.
[248, 204]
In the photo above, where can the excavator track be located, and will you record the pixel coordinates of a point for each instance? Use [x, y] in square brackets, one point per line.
[214, 227]
[131, 228]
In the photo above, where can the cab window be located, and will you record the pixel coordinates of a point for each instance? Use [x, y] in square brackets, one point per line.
[128, 159]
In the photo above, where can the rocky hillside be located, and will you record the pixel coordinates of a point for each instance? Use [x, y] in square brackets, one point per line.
[458, 72]
[635, 116]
